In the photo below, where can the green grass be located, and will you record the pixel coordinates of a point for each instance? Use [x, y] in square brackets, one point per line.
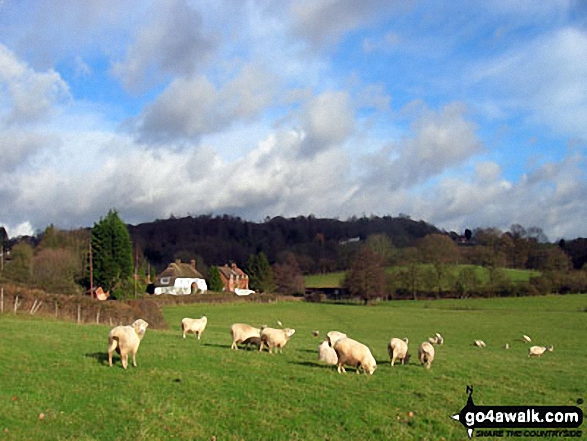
[189, 389]
[335, 279]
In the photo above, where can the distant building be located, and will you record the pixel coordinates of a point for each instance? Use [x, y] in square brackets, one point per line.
[179, 279]
[233, 278]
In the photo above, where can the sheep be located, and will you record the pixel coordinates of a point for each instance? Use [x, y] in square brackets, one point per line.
[352, 353]
[252, 341]
[398, 350]
[275, 338]
[240, 332]
[537, 351]
[326, 353]
[194, 326]
[506, 346]
[426, 354]
[333, 336]
[439, 339]
[479, 343]
[125, 340]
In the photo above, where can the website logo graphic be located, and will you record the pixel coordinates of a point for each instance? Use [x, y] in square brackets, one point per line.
[484, 420]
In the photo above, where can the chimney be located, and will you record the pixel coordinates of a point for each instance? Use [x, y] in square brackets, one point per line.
[233, 266]
[177, 261]
[193, 263]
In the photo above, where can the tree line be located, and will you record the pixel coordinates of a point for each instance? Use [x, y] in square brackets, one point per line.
[278, 252]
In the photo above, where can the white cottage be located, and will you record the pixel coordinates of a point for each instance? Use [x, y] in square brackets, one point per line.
[180, 279]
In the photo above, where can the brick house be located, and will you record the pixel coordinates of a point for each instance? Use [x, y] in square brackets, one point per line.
[233, 277]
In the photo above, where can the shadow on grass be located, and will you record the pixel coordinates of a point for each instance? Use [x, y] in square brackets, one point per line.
[100, 357]
[216, 345]
[313, 364]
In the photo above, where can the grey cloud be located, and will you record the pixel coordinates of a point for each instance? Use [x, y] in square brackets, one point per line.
[324, 23]
[174, 43]
[18, 147]
[190, 108]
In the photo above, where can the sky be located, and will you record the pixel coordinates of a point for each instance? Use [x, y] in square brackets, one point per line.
[461, 114]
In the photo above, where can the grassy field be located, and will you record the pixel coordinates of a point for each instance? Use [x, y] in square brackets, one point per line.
[335, 279]
[190, 389]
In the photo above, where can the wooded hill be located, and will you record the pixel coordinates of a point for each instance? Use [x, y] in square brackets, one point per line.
[320, 245]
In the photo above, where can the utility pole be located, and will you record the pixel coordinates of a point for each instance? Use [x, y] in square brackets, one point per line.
[91, 273]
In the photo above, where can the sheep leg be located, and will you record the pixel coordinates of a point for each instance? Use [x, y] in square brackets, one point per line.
[124, 358]
[134, 359]
[111, 349]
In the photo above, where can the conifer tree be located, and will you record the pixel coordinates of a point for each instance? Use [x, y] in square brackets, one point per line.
[215, 281]
[260, 273]
[111, 251]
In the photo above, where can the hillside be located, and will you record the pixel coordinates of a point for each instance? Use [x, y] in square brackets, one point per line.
[318, 243]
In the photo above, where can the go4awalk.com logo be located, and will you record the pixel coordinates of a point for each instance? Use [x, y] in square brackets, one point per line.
[520, 421]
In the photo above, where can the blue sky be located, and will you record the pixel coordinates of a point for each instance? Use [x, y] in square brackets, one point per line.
[462, 114]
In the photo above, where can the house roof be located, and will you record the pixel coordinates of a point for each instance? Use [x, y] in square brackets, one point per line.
[178, 269]
[231, 270]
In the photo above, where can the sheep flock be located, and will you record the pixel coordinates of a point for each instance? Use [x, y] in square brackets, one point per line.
[336, 349]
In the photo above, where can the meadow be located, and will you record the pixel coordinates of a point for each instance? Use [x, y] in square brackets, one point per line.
[56, 384]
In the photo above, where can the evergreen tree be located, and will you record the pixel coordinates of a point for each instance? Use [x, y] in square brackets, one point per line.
[260, 273]
[111, 252]
[215, 281]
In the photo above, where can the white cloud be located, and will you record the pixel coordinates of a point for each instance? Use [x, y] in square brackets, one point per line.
[328, 120]
[440, 141]
[544, 79]
[26, 95]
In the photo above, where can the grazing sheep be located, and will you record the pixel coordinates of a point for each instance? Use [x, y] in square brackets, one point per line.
[506, 346]
[426, 354]
[352, 353]
[537, 351]
[526, 339]
[333, 336]
[194, 326]
[240, 332]
[439, 339]
[398, 350]
[125, 340]
[252, 341]
[479, 343]
[326, 353]
[275, 338]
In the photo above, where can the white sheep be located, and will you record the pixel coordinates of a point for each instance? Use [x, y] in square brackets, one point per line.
[333, 336]
[275, 338]
[537, 351]
[398, 350]
[426, 354]
[479, 343]
[125, 340]
[352, 353]
[326, 353]
[506, 346]
[439, 339]
[240, 332]
[194, 326]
